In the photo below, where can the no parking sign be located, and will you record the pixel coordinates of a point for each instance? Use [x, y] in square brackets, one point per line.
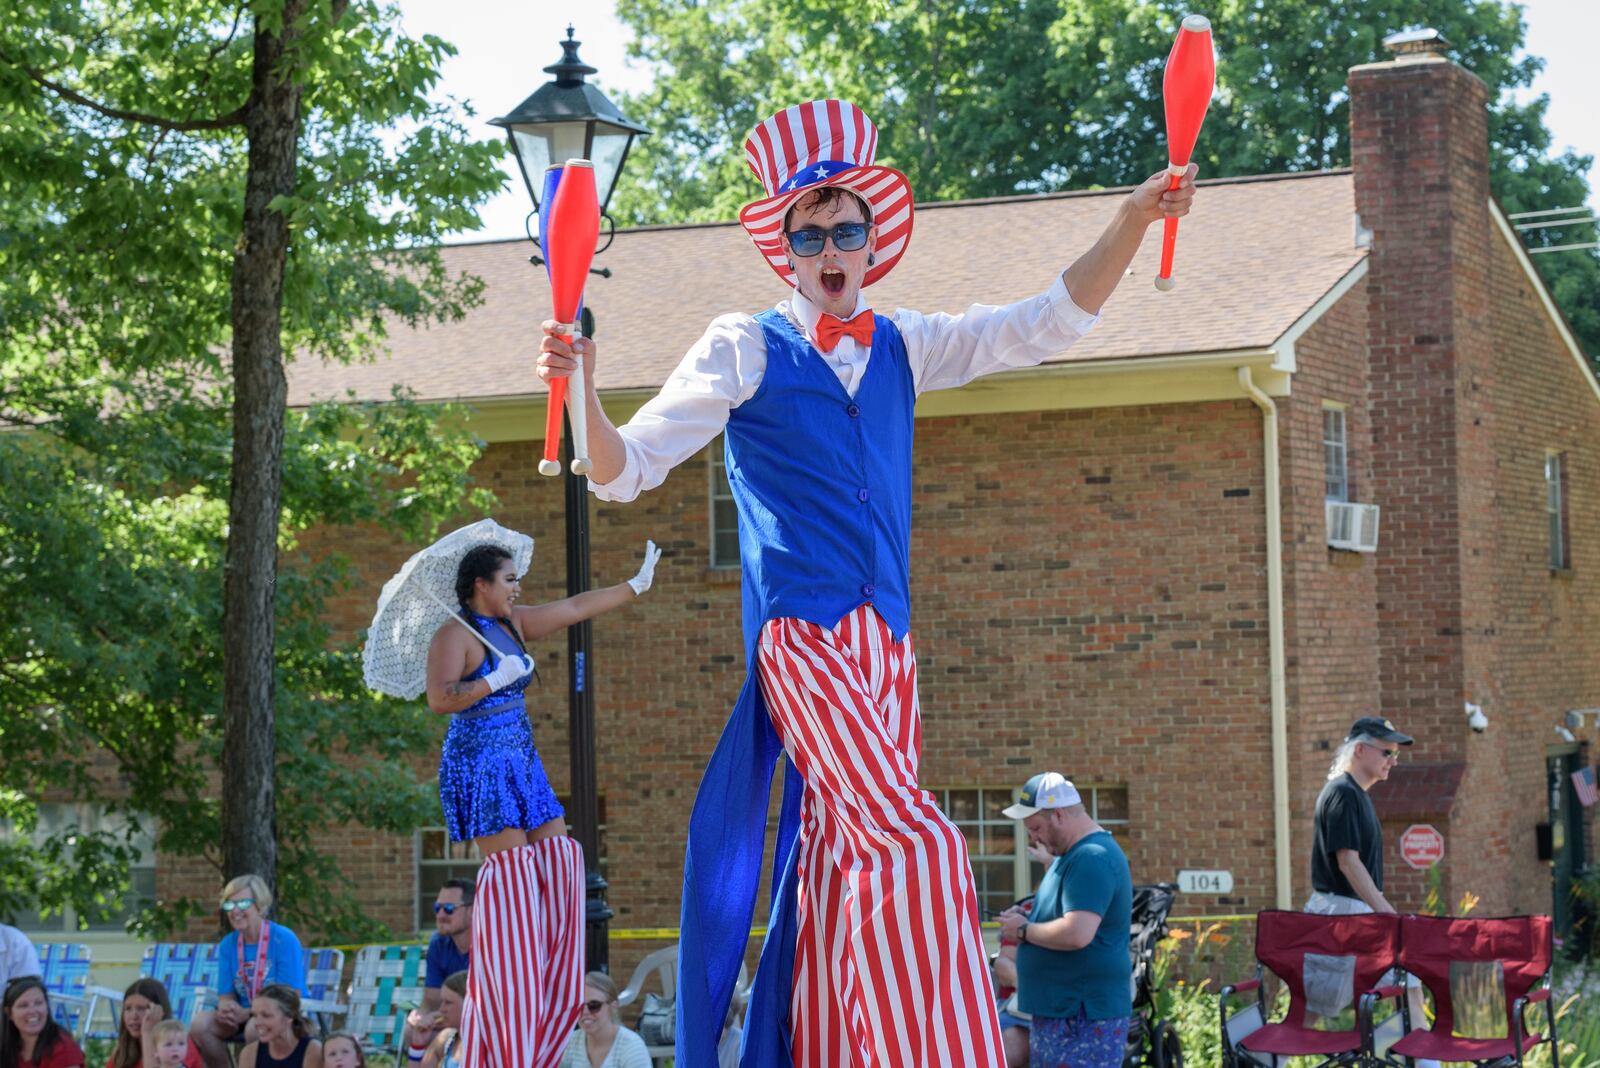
[1422, 846]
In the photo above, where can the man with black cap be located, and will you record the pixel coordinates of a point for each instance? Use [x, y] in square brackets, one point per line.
[1347, 852]
[1347, 843]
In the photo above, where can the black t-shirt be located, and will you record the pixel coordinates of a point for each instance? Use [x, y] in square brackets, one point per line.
[1346, 819]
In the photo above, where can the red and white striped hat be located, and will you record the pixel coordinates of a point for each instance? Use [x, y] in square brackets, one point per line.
[816, 144]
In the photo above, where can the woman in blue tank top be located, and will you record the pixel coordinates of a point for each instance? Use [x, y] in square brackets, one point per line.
[526, 976]
[492, 785]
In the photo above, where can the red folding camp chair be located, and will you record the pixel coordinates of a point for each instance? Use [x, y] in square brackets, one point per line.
[1481, 973]
[1337, 957]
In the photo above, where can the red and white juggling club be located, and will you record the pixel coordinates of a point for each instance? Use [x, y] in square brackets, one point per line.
[571, 235]
[1186, 87]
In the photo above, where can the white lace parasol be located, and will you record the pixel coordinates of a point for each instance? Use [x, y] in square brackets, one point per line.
[420, 599]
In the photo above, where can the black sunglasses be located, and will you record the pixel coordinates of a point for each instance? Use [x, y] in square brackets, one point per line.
[594, 1006]
[847, 237]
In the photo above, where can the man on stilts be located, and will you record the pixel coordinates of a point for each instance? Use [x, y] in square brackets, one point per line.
[874, 955]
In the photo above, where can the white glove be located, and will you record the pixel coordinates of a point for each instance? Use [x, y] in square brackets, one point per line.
[510, 669]
[647, 570]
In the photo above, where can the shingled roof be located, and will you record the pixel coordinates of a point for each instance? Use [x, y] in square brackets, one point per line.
[1254, 256]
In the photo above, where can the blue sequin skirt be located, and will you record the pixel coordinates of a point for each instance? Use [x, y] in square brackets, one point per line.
[491, 778]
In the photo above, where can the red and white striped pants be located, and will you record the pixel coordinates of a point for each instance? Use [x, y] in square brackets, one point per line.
[889, 966]
[526, 980]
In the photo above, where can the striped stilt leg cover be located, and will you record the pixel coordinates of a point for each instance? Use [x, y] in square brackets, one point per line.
[889, 963]
[526, 978]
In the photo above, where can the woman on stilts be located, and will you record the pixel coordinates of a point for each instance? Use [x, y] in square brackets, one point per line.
[525, 983]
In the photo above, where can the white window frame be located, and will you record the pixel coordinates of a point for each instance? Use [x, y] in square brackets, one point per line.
[1555, 510]
[1335, 452]
[56, 815]
[718, 492]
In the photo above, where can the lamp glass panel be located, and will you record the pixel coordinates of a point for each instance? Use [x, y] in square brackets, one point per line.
[610, 142]
[540, 144]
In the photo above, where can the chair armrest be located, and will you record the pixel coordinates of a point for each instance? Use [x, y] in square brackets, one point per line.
[1542, 994]
[1364, 1006]
[1240, 988]
[105, 992]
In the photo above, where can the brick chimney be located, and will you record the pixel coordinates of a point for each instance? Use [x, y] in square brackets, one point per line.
[1419, 146]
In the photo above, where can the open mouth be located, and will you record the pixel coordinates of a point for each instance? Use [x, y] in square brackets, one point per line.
[832, 281]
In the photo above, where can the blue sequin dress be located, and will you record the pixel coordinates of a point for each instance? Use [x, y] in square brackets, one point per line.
[490, 774]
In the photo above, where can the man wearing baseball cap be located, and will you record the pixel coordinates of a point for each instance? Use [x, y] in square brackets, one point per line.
[1074, 974]
[1347, 851]
[1347, 842]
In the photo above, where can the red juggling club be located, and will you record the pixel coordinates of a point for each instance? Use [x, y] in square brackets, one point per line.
[1186, 87]
[571, 233]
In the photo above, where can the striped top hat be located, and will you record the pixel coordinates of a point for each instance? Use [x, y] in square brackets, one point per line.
[821, 143]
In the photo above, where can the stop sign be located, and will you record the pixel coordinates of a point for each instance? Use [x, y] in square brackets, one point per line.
[1422, 846]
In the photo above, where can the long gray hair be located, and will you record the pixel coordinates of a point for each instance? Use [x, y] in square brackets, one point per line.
[1345, 755]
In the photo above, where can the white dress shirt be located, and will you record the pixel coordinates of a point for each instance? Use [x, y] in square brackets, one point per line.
[724, 369]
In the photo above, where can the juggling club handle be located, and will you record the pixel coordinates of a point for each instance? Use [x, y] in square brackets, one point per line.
[550, 465]
[1169, 232]
[580, 422]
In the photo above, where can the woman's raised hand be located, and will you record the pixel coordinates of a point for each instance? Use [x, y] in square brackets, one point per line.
[647, 571]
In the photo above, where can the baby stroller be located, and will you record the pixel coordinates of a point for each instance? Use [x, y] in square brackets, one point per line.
[1152, 1043]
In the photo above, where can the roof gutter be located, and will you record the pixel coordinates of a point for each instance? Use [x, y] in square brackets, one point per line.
[1278, 687]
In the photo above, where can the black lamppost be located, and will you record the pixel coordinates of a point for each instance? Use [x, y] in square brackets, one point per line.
[570, 119]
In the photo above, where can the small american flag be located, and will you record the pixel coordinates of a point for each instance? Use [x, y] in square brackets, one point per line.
[1583, 782]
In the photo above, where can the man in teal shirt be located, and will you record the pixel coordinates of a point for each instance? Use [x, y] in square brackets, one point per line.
[1074, 974]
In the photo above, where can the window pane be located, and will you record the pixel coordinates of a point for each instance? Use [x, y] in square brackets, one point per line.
[962, 805]
[1111, 803]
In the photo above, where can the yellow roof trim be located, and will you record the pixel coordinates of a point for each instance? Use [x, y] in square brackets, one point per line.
[1178, 379]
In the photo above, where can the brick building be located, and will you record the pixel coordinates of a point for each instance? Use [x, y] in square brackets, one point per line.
[1092, 583]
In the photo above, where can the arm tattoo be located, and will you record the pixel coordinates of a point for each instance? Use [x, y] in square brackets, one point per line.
[460, 689]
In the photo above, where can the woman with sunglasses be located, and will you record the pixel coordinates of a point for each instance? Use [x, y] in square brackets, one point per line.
[816, 400]
[601, 1041]
[29, 1035]
[256, 953]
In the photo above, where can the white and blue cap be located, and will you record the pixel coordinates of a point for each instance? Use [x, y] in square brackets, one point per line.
[1048, 789]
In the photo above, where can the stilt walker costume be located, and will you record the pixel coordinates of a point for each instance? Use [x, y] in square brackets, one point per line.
[874, 955]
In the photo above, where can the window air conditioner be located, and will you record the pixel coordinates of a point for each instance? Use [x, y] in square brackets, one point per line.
[1353, 527]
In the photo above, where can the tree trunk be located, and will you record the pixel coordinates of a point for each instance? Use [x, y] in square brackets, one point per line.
[249, 751]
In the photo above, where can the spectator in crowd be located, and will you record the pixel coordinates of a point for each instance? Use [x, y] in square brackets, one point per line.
[17, 955]
[144, 1006]
[600, 1040]
[283, 1038]
[29, 1035]
[449, 951]
[445, 1049]
[343, 1050]
[1347, 855]
[252, 956]
[1074, 974]
[170, 1044]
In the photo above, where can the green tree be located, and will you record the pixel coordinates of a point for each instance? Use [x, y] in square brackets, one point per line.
[189, 190]
[999, 97]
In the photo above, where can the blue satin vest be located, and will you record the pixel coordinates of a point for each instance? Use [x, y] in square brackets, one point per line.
[822, 481]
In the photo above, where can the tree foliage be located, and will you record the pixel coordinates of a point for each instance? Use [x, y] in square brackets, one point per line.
[122, 166]
[975, 98]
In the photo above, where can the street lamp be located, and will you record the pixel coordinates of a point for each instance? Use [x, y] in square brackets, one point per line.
[570, 119]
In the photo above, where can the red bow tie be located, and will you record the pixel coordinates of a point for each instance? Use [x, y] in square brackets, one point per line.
[830, 328]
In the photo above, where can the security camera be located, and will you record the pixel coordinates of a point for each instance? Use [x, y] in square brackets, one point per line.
[1476, 719]
[1566, 735]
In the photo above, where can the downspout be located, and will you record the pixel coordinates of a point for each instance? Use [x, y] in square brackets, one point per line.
[1275, 642]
